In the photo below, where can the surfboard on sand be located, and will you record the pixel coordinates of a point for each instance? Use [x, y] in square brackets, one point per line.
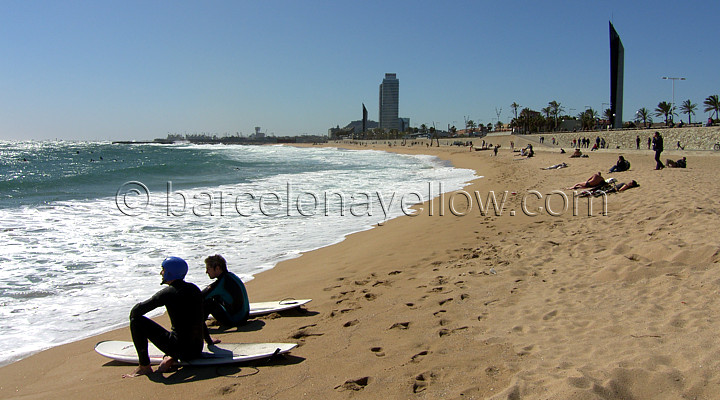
[221, 353]
[257, 309]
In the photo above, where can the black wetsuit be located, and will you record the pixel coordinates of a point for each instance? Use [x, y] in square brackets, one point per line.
[183, 301]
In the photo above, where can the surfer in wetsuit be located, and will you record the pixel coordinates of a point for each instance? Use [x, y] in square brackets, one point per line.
[226, 298]
[183, 301]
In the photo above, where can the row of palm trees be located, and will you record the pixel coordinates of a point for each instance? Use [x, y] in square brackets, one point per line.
[528, 120]
[667, 110]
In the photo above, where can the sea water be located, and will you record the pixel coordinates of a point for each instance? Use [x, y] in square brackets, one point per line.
[84, 226]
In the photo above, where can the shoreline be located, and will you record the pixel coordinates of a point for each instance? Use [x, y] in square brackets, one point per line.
[390, 214]
[412, 308]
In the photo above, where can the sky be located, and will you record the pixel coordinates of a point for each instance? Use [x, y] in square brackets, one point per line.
[138, 70]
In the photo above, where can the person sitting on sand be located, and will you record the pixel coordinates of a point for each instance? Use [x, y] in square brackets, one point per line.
[594, 181]
[576, 154]
[183, 302]
[621, 165]
[226, 298]
[681, 163]
[529, 151]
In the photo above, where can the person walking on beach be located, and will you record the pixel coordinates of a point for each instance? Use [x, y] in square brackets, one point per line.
[657, 145]
[183, 302]
[637, 142]
[226, 298]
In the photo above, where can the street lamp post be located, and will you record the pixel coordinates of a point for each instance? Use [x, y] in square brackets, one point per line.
[672, 105]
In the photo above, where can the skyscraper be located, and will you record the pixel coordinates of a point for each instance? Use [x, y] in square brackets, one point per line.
[389, 103]
[617, 65]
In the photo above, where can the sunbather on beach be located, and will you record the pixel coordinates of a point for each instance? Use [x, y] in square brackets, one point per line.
[681, 163]
[621, 187]
[594, 181]
[557, 166]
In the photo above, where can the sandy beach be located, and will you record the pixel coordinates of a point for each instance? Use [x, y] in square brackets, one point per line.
[455, 304]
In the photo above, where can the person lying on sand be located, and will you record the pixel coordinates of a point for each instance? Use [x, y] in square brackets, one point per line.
[557, 166]
[621, 187]
[594, 181]
[609, 186]
[681, 163]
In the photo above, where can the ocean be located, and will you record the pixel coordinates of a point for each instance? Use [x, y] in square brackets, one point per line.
[84, 226]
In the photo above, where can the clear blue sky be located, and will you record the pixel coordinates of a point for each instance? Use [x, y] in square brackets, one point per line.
[105, 70]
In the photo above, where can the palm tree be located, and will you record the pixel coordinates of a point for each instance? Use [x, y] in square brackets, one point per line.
[555, 110]
[712, 104]
[546, 111]
[608, 115]
[665, 109]
[470, 124]
[588, 118]
[688, 108]
[516, 106]
[643, 114]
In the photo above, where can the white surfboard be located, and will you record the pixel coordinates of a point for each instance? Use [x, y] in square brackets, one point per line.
[257, 309]
[221, 353]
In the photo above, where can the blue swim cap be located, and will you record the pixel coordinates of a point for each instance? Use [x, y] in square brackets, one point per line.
[175, 268]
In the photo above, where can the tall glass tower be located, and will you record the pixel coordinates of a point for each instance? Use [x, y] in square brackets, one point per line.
[389, 103]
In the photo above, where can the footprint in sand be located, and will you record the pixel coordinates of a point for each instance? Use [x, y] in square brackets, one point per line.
[422, 381]
[441, 302]
[400, 325]
[526, 350]
[419, 356]
[338, 312]
[354, 384]
[378, 351]
[445, 332]
[550, 315]
[370, 296]
[351, 323]
[304, 332]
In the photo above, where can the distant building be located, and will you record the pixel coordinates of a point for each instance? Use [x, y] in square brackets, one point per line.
[389, 103]
[617, 65]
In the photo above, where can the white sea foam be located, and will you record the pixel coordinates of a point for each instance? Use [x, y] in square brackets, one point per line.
[72, 269]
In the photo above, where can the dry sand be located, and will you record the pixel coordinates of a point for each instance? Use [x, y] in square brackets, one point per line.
[616, 306]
